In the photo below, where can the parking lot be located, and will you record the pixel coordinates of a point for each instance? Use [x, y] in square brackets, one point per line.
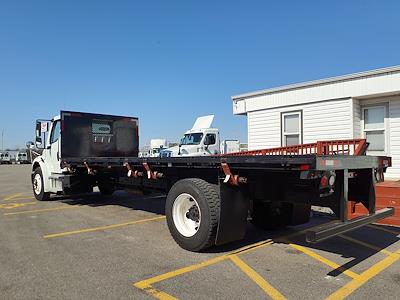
[119, 247]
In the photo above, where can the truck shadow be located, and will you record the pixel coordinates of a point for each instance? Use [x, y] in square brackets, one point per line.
[360, 245]
[353, 247]
[153, 203]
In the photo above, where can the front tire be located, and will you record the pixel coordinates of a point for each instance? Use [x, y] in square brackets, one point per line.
[38, 185]
[192, 211]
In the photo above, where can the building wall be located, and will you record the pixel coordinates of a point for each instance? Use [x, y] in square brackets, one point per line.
[326, 120]
[394, 138]
[356, 119]
[383, 83]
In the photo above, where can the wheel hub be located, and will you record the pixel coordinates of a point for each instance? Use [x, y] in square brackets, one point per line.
[186, 215]
[37, 184]
[193, 214]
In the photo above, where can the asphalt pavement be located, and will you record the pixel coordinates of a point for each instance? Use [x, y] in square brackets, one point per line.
[119, 247]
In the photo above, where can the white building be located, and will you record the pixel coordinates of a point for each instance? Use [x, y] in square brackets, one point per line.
[360, 105]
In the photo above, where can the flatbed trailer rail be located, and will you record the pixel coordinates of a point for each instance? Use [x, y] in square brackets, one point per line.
[332, 147]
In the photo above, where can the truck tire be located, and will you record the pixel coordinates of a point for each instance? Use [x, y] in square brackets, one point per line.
[192, 211]
[38, 185]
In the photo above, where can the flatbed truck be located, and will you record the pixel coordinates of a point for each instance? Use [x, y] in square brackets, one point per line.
[210, 199]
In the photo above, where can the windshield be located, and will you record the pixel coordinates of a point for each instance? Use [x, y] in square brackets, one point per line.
[191, 139]
[156, 150]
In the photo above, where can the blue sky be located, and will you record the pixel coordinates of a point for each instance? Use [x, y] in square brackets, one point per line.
[168, 62]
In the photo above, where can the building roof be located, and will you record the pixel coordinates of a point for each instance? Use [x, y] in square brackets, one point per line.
[376, 72]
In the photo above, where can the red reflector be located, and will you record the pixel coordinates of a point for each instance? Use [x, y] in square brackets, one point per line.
[324, 181]
[389, 161]
[304, 167]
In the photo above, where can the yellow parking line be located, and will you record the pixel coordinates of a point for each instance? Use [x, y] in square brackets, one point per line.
[15, 205]
[261, 282]
[324, 260]
[367, 245]
[147, 282]
[146, 285]
[39, 210]
[55, 235]
[20, 198]
[356, 283]
[13, 196]
[379, 227]
[157, 293]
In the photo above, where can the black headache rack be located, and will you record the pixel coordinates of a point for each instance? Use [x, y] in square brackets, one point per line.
[356, 177]
[98, 135]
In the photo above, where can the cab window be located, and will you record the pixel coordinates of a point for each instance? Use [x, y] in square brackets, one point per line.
[211, 138]
[55, 134]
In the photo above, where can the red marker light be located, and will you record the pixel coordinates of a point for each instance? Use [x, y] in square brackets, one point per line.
[324, 181]
[304, 167]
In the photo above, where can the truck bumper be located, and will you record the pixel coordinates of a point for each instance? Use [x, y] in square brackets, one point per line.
[334, 228]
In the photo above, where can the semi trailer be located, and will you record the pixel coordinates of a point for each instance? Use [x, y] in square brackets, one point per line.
[209, 199]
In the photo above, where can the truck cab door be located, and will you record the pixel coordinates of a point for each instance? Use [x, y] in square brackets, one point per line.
[54, 148]
[211, 141]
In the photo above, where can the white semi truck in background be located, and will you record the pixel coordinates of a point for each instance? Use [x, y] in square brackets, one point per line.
[22, 158]
[5, 158]
[229, 146]
[202, 140]
[156, 146]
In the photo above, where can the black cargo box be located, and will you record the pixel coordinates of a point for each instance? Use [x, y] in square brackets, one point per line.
[93, 135]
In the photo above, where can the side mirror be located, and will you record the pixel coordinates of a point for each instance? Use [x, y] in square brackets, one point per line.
[30, 145]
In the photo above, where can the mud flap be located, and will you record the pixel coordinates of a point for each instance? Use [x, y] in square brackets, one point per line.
[234, 208]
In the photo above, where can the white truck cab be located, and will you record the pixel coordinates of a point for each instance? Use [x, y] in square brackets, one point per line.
[46, 168]
[83, 135]
[201, 140]
[156, 146]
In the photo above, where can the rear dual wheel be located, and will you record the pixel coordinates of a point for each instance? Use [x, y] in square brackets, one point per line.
[192, 211]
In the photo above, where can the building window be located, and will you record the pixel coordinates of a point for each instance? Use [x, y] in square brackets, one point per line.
[374, 127]
[291, 128]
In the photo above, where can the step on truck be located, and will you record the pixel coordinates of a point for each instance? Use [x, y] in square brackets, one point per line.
[210, 199]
